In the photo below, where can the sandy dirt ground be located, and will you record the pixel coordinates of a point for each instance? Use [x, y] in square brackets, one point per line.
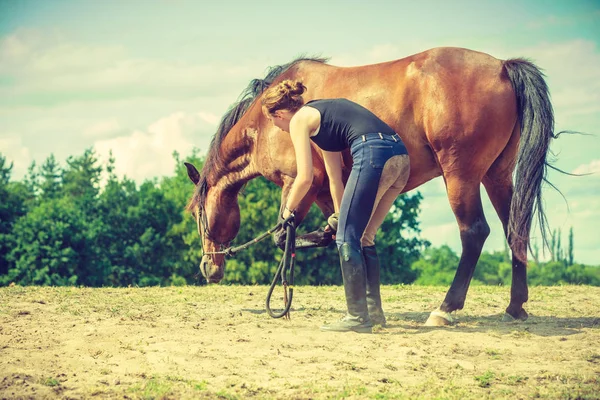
[218, 342]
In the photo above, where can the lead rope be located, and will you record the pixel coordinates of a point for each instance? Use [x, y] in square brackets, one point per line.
[287, 263]
[231, 251]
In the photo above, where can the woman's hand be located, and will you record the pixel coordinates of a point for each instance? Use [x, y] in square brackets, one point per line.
[332, 221]
[332, 224]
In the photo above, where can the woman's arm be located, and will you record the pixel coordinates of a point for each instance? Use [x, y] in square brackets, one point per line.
[333, 166]
[300, 128]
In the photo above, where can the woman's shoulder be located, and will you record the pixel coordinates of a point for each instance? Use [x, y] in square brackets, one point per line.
[308, 115]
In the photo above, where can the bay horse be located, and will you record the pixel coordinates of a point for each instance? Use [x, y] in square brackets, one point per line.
[462, 114]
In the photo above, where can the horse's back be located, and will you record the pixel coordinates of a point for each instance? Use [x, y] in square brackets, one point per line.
[443, 101]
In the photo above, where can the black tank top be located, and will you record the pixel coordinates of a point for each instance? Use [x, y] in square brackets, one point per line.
[343, 121]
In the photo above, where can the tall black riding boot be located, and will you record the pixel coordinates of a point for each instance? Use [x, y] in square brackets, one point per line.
[373, 283]
[355, 286]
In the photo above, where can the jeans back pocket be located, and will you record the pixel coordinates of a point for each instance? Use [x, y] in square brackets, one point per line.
[379, 155]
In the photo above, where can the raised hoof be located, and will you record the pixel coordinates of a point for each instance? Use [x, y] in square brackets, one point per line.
[521, 316]
[439, 318]
[318, 238]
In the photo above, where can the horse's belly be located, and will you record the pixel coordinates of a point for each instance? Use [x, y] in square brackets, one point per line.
[423, 166]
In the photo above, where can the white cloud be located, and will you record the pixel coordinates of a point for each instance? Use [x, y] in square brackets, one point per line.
[591, 168]
[148, 153]
[53, 70]
[209, 117]
[11, 147]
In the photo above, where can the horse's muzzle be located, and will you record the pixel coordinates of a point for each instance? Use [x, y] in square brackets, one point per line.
[212, 272]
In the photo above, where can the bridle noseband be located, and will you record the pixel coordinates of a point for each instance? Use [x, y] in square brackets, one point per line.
[206, 232]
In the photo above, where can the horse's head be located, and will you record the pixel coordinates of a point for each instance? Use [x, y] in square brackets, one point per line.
[217, 216]
[232, 161]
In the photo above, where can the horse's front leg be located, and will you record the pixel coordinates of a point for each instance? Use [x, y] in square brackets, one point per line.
[301, 211]
[321, 237]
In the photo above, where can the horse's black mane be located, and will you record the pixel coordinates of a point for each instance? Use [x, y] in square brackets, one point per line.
[231, 117]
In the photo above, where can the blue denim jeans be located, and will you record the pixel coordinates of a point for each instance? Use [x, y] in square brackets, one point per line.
[369, 155]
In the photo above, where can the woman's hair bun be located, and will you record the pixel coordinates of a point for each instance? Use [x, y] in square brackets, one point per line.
[291, 88]
[287, 95]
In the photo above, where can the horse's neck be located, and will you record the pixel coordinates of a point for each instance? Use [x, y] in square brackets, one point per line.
[237, 166]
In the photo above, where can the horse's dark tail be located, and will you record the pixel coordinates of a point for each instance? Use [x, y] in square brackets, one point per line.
[537, 129]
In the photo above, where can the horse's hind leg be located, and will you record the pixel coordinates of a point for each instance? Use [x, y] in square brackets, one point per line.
[499, 186]
[465, 201]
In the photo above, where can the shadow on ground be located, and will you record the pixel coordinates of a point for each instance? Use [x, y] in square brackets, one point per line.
[414, 322]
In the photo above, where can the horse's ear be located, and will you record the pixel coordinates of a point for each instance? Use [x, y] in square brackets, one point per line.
[192, 173]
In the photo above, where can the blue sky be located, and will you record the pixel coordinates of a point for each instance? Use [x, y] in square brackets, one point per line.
[146, 78]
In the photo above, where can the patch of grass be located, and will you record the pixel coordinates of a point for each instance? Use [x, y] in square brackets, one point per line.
[52, 382]
[200, 386]
[354, 391]
[493, 353]
[387, 396]
[434, 389]
[153, 388]
[485, 380]
[226, 396]
[274, 375]
[516, 379]
[196, 385]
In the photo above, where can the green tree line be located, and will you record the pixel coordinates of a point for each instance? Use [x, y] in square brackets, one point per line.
[80, 224]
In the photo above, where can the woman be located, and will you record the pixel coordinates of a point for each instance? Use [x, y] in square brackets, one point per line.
[380, 171]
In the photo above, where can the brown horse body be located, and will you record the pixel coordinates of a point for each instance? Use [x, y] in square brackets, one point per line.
[460, 114]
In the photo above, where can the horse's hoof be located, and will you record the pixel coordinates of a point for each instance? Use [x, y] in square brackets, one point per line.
[439, 318]
[508, 318]
[521, 316]
[318, 238]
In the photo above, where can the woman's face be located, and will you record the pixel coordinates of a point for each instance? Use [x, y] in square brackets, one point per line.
[281, 119]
